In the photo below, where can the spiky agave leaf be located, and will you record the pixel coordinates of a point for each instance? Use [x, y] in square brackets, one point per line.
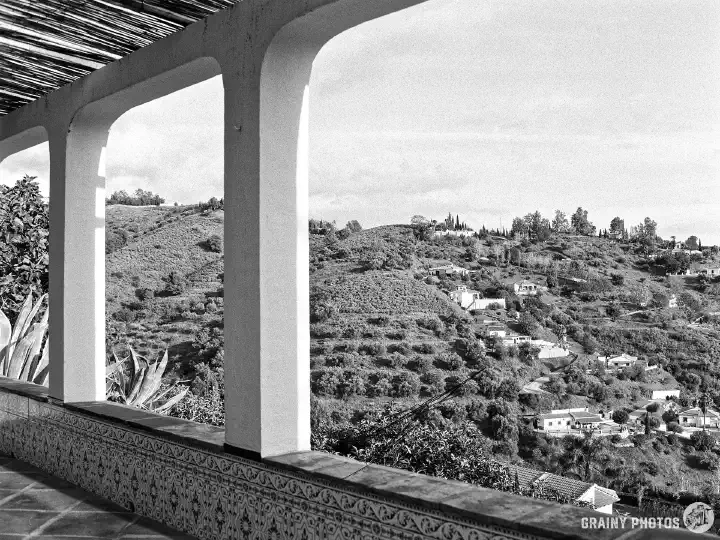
[132, 398]
[42, 377]
[148, 385]
[36, 335]
[135, 379]
[24, 320]
[43, 368]
[19, 357]
[5, 334]
[172, 401]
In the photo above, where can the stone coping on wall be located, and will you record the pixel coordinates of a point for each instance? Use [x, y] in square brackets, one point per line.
[527, 517]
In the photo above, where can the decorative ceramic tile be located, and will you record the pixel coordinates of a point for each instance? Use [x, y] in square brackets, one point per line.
[213, 496]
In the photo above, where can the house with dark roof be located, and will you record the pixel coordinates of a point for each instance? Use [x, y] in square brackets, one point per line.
[585, 420]
[599, 498]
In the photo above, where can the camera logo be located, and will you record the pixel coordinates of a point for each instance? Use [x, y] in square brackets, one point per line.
[698, 517]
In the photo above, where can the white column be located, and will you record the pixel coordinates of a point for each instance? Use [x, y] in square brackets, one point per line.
[77, 262]
[267, 343]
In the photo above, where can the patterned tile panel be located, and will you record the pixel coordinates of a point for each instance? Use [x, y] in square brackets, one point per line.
[213, 496]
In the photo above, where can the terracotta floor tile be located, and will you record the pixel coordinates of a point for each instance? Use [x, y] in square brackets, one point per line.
[23, 521]
[16, 480]
[41, 500]
[147, 527]
[95, 504]
[59, 510]
[97, 525]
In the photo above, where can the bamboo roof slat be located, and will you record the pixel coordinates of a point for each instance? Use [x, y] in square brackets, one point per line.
[46, 44]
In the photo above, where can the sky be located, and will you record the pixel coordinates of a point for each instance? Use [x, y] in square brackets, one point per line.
[483, 108]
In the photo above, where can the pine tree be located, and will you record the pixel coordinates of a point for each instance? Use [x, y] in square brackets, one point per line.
[699, 245]
[457, 222]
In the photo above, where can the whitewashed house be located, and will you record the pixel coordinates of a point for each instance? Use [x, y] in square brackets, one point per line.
[526, 288]
[664, 394]
[470, 299]
[617, 362]
[601, 498]
[694, 417]
[448, 270]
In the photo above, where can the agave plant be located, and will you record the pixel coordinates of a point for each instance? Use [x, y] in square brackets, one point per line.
[139, 385]
[20, 355]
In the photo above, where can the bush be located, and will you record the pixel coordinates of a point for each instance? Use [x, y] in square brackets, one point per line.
[206, 409]
[702, 441]
[383, 387]
[400, 348]
[125, 315]
[397, 360]
[353, 384]
[327, 384]
[406, 384]
[24, 219]
[423, 364]
[214, 243]
[144, 293]
[175, 283]
[397, 334]
[425, 348]
[620, 416]
[374, 349]
[453, 361]
[708, 460]
[674, 427]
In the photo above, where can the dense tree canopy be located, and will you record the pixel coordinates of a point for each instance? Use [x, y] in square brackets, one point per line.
[24, 232]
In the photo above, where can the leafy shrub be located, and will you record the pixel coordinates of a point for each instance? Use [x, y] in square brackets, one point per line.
[452, 361]
[702, 441]
[423, 364]
[397, 360]
[205, 409]
[214, 243]
[144, 293]
[425, 348]
[125, 315]
[400, 348]
[397, 334]
[406, 384]
[175, 283]
[352, 384]
[373, 349]
[24, 229]
[381, 388]
[327, 384]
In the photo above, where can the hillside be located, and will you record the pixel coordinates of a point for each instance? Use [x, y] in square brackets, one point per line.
[383, 330]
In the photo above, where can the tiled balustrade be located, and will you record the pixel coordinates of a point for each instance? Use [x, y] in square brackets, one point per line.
[178, 473]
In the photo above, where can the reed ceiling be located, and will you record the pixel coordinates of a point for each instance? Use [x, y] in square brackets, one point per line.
[46, 44]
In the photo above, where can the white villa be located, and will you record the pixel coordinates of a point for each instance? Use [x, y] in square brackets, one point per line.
[496, 330]
[526, 288]
[470, 299]
[515, 340]
[448, 269]
[548, 349]
[617, 362]
[664, 394]
[601, 499]
[693, 417]
[566, 419]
